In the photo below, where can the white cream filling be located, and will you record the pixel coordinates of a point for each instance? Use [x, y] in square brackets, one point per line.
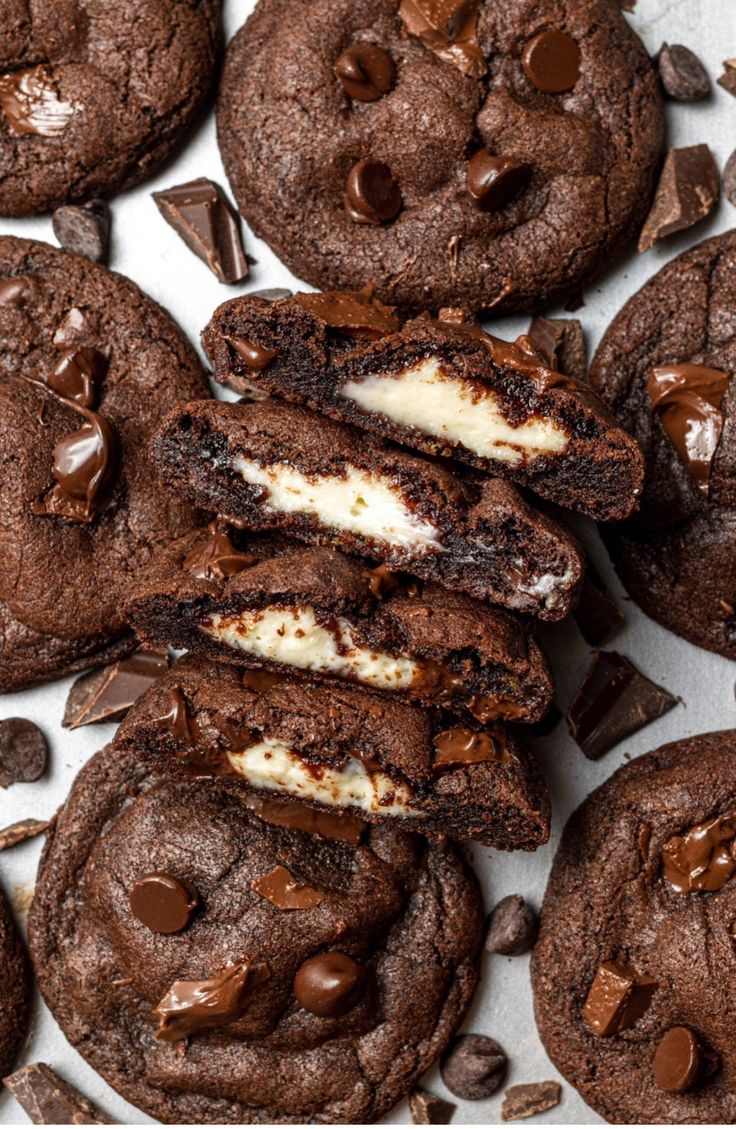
[271, 765]
[425, 397]
[294, 636]
[360, 502]
[547, 584]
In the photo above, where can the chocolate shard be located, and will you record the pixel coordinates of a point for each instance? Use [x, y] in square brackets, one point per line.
[687, 192]
[21, 831]
[428, 1109]
[613, 701]
[682, 74]
[200, 213]
[561, 343]
[728, 78]
[529, 1099]
[49, 1100]
[84, 229]
[23, 752]
[596, 615]
[108, 693]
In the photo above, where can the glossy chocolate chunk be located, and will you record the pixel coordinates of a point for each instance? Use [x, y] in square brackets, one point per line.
[329, 984]
[255, 356]
[191, 1006]
[466, 746]
[279, 887]
[77, 374]
[682, 1062]
[108, 693]
[372, 193]
[687, 192]
[163, 903]
[494, 180]
[448, 28]
[562, 344]
[200, 213]
[703, 858]
[216, 558]
[551, 61]
[365, 71]
[687, 399]
[330, 825]
[512, 929]
[23, 751]
[49, 1100]
[617, 997]
[84, 229]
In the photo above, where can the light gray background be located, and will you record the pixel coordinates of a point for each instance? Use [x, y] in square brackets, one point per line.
[147, 250]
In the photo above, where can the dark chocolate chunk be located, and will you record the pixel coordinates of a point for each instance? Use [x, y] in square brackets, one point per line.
[551, 61]
[729, 175]
[687, 192]
[728, 78]
[596, 615]
[163, 903]
[23, 752]
[529, 1099]
[613, 701]
[466, 746]
[84, 229]
[329, 984]
[365, 71]
[702, 858]
[271, 294]
[200, 213]
[255, 356]
[561, 343]
[191, 1006]
[336, 825]
[108, 693]
[372, 193]
[279, 887]
[49, 1100]
[449, 29]
[687, 400]
[473, 1067]
[683, 75]
[494, 180]
[20, 831]
[216, 558]
[617, 997]
[681, 1061]
[512, 928]
[77, 374]
[428, 1109]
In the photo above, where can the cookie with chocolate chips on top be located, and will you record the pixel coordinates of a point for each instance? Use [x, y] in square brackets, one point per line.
[494, 155]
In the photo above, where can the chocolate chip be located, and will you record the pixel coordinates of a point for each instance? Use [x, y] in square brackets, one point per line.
[683, 75]
[512, 927]
[108, 693]
[49, 1100]
[21, 831]
[279, 887]
[200, 213]
[551, 61]
[494, 180]
[529, 1099]
[681, 1061]
[328, 984]
[23, 752]
[617, 997]
[372, 194]
[162, 903]
[366, 72]
[473, 1067]
[596, 615]
[729, 179]
[687, 192]
[428, 1109]
[728, 78]
[84, 229]
[561, 342]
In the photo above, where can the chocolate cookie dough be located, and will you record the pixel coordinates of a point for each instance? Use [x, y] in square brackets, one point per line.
[257, 600]
[271, 465]
[634, 965]
[94, 96]
[342, 751]
[15, 990]
[665, 367]
[257, 1010]
[491, 154]
[444, 386]
[88, 363]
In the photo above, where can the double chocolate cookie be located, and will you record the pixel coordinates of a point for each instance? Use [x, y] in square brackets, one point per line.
[634, 967]
[348, 753]
[665, 367]
[93, 96]
[216, 967]
[87, 365]
[15, 990]
[490, 154]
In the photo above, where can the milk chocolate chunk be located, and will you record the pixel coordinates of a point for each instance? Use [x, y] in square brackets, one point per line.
[372, 193]
[474, 1067]
[337, 825]
[365, 71]
[683, 75]
[49, 1100]
[613, 701]
[529, 1099]
[279, 887]
[494, 180]
[428, 1109]
[687, 192]
[199, 212]
[21, 831]
[255, 356]
[108, 693]
[681, 1061]
[597, 615]
[353, 313]
[512, 928]
[466, 746]
[30, 103]
[329, 984]
[561, 343]
[687, 399]
[191, 1006]
[617, 997]
[163, 903]
[77, 375]
[728, 79]
[23, 752]
[84, 229]
[216, 558]
[703, 858]
[448, 28]
[551, 61]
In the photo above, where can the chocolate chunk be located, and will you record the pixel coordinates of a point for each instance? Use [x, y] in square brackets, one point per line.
[217, 558]
[687, 400]
[177, 718]
[466, 746]
[84, 229]
[365, 71]
[372, 193]
[191, 1006]
[512, 928]
[494, 180]
[329, 984]
[613, 701]
[702, 858]
[23, 752]
[686, 193]
[428, 1109]
[255, 356]
[330, 825]
[729, 175]
[551, 61]
[683, 75]
[618, 997]
[200, 213]
[108, 693]
[162, 903]
[20, 831]
[448, 28]
[77, 374]
[561, 343]
[681, 1061]
[282, 890]
[30, 103]
[271, 294]
[14, 291]
[71, 329]
[728, 78]
[596, 615]
[473, 1067]
[354, 313]
[49, 1100]
[529, 1099]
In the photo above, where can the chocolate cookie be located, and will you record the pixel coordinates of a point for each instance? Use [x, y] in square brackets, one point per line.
[466, 152]
[343, 751]
[219, 968]
[89, 363]
[276, 465]
[665, 368]
[94, 97]
[257, 600]
[15, 990]
[634, 965]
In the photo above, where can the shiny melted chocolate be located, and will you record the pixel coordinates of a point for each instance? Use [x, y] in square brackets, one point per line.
[687, 398]
[702, 858]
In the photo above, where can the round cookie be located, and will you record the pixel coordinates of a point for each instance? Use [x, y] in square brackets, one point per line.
[664, 367]
[94, 96]
[72, 334]
[644, 883]
[15, 990]
[558, 181]
[327, 1011]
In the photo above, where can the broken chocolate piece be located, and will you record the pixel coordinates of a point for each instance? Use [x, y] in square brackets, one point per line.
[513, 927]
[687, 192]
[596, 615]
[49, 1100]
[163, 903]
[681, 1061]
[613, 701]
[191, 1006]
[199, 212]
[428, 1109]
[329, 984]
[108, 693]
[84, 229]
[618, 997]
[281, 889]
[529, 1099]
[561, 343]
[365, 71]
[255, 356]
[354, 313]
[18, 832]
[23, 752]
[372, 193]
[728, 78]
[683, 75]
[448, 28]
[702, 858]
[687, 398]
[474, 1067]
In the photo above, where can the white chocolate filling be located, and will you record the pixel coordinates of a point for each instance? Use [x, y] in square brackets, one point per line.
[358, 501]
[271, 765]
[293, 635]
[425, 397]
